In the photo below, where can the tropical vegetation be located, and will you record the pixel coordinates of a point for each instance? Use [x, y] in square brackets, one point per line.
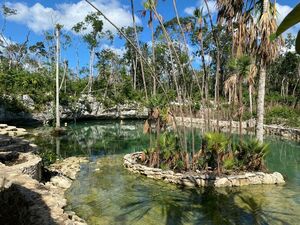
[242, 74]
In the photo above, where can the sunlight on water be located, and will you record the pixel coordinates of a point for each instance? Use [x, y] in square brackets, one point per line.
[106, 193]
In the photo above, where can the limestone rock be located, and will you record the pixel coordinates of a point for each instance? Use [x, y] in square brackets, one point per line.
[61, 181]
[199, 179]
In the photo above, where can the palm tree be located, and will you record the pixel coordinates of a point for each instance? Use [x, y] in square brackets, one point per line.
[267, 51]
[200, 19]
[253, 38]
[240, 66]
[243, 64]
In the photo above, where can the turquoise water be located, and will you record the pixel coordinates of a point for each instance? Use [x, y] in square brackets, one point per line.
[106, 193]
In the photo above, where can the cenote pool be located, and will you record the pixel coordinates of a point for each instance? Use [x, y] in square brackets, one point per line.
[106, 193]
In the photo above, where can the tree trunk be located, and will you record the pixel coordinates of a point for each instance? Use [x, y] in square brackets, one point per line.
[57, 31]
[215, 38]
[240, 105]
[250, 99]
[90, 82]
[185, 44]
[153, 60]
[260, 103]
[139, 49]
[261, 91]
[129, 41]
[134, 64]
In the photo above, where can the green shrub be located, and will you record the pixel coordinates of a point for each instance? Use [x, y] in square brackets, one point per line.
[283, 115]
[12, 104]
[250, 154]
[229, 163]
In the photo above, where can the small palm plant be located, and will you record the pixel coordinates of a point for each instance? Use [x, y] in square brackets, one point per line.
[251, 154]
[216, 145]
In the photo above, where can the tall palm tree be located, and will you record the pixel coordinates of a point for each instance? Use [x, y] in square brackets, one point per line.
[267, 51]
[252, 36]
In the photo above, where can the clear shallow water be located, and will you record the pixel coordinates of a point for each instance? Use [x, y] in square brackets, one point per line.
[106, 193]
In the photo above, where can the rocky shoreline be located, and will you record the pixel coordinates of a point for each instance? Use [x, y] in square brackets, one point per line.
[23, 195]
[247, 127]
[200, 179]
[86, 108]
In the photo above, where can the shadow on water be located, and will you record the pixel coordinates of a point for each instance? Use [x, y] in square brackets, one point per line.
[204, 206]
[105, 193]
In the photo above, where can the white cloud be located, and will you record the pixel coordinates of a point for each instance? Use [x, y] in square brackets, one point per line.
[118, 51]
[282, 11]
[40, 18]
[190, 10]
[201, 4]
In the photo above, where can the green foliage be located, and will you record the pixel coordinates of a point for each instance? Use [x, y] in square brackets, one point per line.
[48, 156]
[168, 144]
[12, 104]
[158, 100]
[250, 154]
[283, 115]
[179, 165]
[216, 142]
[229, 163]
[6, 11]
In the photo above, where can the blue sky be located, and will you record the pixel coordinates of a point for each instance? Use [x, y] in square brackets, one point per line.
[38, 16]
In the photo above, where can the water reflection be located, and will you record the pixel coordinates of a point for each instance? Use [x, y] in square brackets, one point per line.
[105, 193]
[94, 139]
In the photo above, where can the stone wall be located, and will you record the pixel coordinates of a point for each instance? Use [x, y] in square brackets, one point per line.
[87, 107]
[200, 179]
[30, 165]
[24, 200]
[247, 127]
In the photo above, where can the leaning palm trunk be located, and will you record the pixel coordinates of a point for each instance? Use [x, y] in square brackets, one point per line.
[185, 44]
[173, 51]
[131, 43]
[215, 38]
[139, 49]
[153, 59]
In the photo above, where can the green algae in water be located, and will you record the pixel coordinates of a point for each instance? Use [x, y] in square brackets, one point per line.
[106, 193]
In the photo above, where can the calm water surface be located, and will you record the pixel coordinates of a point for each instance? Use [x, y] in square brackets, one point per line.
[106, 193]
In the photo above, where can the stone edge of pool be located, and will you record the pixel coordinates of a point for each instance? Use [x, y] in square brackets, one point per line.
[201, 180]
[46, 200]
